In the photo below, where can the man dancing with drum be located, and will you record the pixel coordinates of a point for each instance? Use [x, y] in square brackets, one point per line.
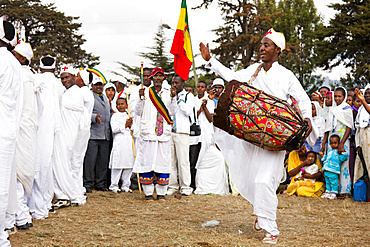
[257, 172]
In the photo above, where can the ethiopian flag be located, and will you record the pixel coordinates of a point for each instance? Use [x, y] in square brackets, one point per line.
[181, 45]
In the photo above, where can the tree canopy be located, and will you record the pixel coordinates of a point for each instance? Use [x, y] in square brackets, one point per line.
[346, 41]
[247, 21]
[49, 31]
[157, 56]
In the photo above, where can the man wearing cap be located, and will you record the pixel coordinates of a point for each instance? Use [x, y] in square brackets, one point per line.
[218, 86]
[72, 107]
[10, 107]
[25, 156]
[97, 155]
[48, 125]
[156, 106]
[258, 172]
[180, 173]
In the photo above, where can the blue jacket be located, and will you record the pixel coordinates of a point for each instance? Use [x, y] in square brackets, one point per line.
[333, 161]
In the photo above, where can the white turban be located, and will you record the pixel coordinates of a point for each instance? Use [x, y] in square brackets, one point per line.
[276, 37]
[67, 68]
[24, 49]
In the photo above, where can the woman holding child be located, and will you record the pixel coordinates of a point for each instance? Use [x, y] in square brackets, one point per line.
[305, 169]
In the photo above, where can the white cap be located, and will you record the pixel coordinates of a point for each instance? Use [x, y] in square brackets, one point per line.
[24, 49]
[43, 66]
[97, 79]
[218, 81]
[85, 76]
[276, 37]
[67, 68]
[13, 41]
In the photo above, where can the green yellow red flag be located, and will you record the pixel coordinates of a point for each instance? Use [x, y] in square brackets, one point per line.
[181, 45]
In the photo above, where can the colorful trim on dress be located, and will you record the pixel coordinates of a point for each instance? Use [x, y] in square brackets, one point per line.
[159, 105]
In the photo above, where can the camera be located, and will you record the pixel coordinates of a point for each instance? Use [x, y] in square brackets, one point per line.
[215, 90]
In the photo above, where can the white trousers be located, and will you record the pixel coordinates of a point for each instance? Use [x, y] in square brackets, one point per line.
[180, 164]
[148, 189]
[268, 225]
[124, 175]
[4, 242]
[22, 216]
[42, 193]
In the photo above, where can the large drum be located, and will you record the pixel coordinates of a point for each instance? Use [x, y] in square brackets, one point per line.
[259, 118]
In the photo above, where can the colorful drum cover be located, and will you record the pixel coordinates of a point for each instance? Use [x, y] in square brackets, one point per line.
[259, 118]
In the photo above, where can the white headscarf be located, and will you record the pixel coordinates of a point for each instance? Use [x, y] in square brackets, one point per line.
[109, 85]
[363, 117]
[342, 113]
[85, 76]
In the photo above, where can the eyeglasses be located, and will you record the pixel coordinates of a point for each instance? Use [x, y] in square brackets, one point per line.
[159, 76]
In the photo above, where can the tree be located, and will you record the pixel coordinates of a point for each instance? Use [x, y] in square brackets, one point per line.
[48, 31]
[247, 21]
[157, 56]
[346, 41]
[299, 22]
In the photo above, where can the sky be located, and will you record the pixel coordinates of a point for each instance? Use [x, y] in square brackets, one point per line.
[117, 30]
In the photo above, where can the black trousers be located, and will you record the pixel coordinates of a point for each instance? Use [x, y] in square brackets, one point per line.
[96, 164]
[193, 158]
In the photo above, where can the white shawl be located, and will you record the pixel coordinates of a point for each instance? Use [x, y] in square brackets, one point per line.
[342, 113]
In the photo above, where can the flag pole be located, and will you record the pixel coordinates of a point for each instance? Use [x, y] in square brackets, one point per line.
[192, 54]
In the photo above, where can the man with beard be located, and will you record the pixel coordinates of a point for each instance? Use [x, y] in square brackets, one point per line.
[72, 107]
[156, 106]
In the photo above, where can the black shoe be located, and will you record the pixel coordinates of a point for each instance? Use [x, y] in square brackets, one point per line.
[149, 198]
[88, 190]
[23, 227]
[101, 189]
[74, 204]
[52, 210]
[30, 224]
[161, 198]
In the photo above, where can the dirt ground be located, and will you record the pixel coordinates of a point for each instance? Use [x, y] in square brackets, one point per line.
[127, 220]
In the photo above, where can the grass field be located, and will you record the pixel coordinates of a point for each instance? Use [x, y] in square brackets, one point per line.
[127, 220]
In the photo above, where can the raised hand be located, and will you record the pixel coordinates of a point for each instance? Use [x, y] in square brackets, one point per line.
[204, 51]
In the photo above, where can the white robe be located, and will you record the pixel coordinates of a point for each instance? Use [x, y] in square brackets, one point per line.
[72, 107]
[211, 175]
[256, 171]
[122, 155]
[51, 90]
[10, 102]
[27, 136]
[83, 136]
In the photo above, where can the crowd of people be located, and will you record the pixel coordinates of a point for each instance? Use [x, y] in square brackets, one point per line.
[339, 142]
[72, 134]
[65, 137]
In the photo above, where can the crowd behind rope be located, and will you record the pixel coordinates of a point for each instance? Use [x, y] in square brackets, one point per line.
[72, 135]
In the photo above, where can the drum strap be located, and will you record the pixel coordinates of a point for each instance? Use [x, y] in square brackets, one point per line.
[255, 74]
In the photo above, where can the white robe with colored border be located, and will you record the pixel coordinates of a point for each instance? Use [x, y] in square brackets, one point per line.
[256, 171]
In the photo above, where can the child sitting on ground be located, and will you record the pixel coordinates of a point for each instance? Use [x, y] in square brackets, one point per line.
[332, 164]
[122, 155]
